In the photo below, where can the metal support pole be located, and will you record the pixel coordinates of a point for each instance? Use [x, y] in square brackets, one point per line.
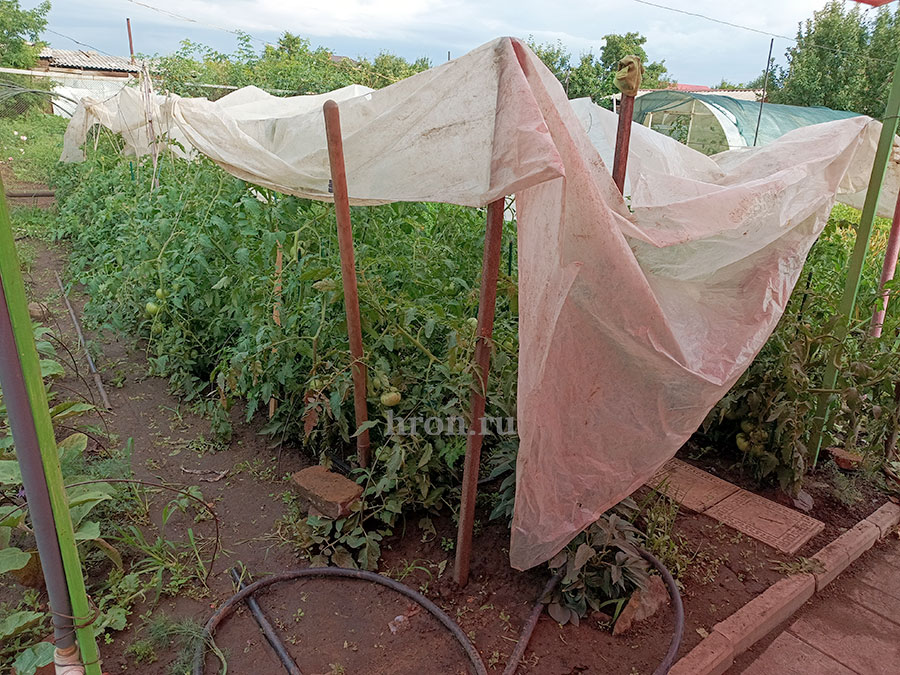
[32, 429]
[487, 302]
[762, 101]
[623, 140]
[348, 271]
[28, 453]
[887, 273]
[857, 262]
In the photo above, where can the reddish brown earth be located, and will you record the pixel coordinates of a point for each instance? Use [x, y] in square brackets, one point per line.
[344, 626]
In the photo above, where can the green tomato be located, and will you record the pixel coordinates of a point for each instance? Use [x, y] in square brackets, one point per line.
[160, 294]
[473, 322]
[391, 398]
[742, 442]
[151, 308]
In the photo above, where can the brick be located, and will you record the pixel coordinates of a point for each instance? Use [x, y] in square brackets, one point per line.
[713, 656]
[326, 492]
[766, 611]
[886, 518]
[837, 556]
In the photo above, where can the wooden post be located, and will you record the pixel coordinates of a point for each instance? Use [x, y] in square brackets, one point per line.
[623, 140]
[348, 271]
[490, 270]
[130, 41]
[887, 273]
[276, 309]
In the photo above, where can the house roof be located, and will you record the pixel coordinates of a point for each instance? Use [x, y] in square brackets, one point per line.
[86, 60]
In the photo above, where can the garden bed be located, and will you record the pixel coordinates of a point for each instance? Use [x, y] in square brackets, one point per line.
[344, 624]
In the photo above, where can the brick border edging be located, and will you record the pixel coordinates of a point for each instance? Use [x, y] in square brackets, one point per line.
[731, 637]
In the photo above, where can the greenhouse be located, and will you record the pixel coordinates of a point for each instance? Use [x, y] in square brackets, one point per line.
[712, 123]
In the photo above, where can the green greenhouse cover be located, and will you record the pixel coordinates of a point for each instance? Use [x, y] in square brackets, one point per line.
[737, 118]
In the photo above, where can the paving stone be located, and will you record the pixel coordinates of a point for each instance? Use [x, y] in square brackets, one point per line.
[766, 611]
[773, 524]
[885, 575]
[872, 598]
[789, 655]
[837, 556]
[326, 492]
[852, 635]
[886, 518]
[689, 486]
[713, 656]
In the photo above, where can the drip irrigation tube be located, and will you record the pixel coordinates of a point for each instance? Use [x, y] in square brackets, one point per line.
[474, 658]
[334, 572]
[266, 627]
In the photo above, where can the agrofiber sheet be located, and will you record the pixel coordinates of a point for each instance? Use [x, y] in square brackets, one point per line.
[632, 324]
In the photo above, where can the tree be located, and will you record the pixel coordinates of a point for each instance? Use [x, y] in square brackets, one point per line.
[19, 33]
[842, 60]
[593, 76]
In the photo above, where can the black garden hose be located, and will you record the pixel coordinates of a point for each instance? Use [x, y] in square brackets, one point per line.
[677, 608]
[513, 665]
[334, 572]
[475, 659]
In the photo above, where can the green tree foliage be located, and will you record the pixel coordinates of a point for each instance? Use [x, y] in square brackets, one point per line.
[292, 66]
[592, 76]
[843, 59]
[19, 32]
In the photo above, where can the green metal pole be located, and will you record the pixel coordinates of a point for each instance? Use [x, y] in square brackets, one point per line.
[17, 305]
[857, 261]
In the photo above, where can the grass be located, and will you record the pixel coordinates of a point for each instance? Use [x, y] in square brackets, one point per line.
[30, 145]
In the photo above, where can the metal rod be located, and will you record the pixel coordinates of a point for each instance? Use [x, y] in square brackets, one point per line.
[887, 273]
[21, 354]
[623, 141]
[487, 304]
[271, 636]
[28, 453]
[130, 40]
[348, 271]
[762, 101]
[83, 344]
[857, 262]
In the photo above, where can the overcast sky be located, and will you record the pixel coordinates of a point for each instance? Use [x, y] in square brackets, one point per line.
[695, 50]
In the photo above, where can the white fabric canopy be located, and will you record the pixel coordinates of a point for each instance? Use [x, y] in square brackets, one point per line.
[632, 325]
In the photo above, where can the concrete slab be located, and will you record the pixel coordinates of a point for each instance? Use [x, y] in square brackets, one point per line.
[856, 637]
[883, 573]
[773, 524]
[872, 598]
[691, 487]
[789, 655]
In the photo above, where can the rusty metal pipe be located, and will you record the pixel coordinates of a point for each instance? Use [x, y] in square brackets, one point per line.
[348, 271]
[623, 141]
[490, 270]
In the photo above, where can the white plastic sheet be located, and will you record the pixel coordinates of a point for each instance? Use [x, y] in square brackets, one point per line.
[632, 325]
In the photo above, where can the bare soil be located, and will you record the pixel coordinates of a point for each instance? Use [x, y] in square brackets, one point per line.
[345, 626]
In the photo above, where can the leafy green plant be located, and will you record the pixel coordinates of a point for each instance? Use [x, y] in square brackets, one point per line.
[600, 568]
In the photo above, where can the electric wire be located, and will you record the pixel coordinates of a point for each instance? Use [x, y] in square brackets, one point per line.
[757, 30]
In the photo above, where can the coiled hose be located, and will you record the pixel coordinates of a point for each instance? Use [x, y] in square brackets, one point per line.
[474, 657]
